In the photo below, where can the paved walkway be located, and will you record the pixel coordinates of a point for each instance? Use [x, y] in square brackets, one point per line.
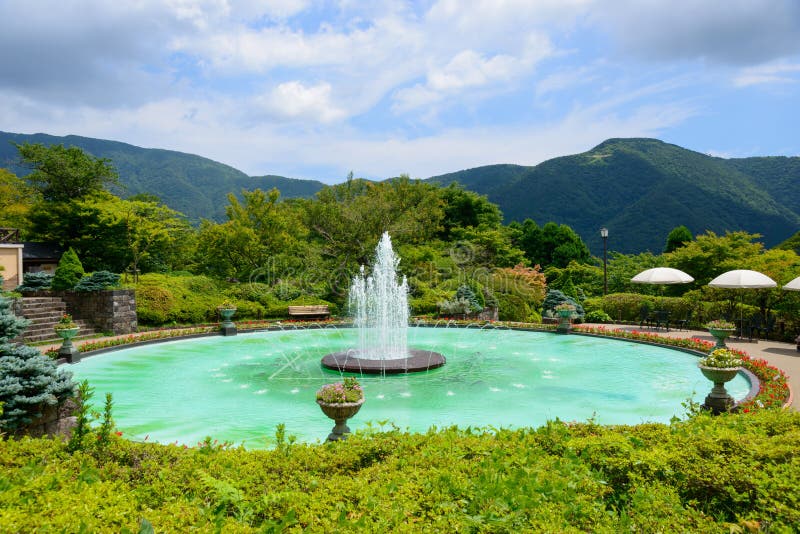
[782, 355]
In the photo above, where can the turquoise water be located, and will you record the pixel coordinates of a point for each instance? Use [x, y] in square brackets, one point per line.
[239, 388]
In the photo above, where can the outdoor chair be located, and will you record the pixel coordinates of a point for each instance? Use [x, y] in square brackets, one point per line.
[644, 316]
[661, 318]
[762, 328]
[683, 324]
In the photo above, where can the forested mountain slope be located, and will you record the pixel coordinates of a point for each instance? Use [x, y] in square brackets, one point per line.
[640, 189]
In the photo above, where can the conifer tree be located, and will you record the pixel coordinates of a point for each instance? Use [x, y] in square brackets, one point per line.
[29, 381]
[69, 271]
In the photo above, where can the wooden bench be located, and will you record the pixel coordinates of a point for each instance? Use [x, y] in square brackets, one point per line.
[309, 312]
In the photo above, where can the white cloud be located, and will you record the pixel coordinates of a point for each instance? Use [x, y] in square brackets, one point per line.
[383, 88]
[768, 74]
[293, 100]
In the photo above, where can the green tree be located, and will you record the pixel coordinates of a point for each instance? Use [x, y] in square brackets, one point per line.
[156, 238]
[29, 380]
[464, 208]
[710, 255]
[551, 244]
[62, 174]
[16, 200]
[348, 219]
[793, 243]
[678, 237]
[69, 271]
[576, 277]
[261, 233]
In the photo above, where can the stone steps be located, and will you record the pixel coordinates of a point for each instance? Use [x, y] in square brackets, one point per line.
[44, 313]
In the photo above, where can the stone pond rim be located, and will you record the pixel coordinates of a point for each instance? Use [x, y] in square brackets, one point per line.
[417, 361]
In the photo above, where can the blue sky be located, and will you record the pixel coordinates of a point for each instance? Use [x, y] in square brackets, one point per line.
[316, 89]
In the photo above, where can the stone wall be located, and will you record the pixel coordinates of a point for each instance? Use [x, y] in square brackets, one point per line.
[111, 310]
[55, 421]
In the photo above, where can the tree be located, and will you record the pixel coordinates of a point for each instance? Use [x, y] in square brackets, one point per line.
[262, 233]
[29, 380]
[156, 238]
[467, 209]
[62, 174]
[710, 255]
[552, 244]
[69, 271]
[348, 219]
[16, 200]
[678, 237]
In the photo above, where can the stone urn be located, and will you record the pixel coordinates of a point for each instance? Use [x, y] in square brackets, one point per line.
[564, 321]
[719, 400]
[67, 349]
[227, 327]
[720, 334]
[340, 412]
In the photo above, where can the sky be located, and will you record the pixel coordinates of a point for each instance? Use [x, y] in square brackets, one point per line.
[316, 89]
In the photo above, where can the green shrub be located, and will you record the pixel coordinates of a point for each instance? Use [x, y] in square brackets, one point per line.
[98, 281]
[512, 307]
[153, 304]
[69, 271]
[732, 473]
[29, 381]
[597, 316]
[35, 281]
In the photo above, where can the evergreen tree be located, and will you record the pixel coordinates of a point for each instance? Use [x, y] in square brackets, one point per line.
[678, 237]
[69, 271]
[29, 381]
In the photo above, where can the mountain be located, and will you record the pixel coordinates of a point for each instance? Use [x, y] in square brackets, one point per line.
[194, 185]
[640, 189]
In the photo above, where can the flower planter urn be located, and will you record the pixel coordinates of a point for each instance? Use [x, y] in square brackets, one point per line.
[340, 413]
[67, 349]
[720, 334]
[718, 400]
[564, 321]
[227, 327]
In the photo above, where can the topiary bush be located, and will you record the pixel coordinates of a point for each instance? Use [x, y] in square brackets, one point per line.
[69, 271]
[597, 316]
[29, 381]
[512, 308]
[98, 281]
[35, 281]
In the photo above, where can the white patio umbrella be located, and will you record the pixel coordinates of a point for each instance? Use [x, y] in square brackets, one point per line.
[742, 279]
[794, 285]
[662, 275]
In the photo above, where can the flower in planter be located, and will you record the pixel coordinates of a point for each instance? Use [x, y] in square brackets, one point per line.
[65, 323]
[341, 392]
[722, 359]
[720, 324]
[226, 305]
[565, 306]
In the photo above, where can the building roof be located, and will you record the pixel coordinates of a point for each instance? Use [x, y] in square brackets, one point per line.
[41, 251]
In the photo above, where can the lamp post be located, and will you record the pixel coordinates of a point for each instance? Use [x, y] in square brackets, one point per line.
[604, 235]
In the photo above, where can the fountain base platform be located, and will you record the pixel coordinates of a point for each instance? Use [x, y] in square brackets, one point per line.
[417, 360]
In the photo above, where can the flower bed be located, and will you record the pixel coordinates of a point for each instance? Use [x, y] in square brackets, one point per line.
[773, 389]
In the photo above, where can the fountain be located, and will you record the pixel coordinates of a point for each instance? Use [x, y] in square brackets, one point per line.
[381, 318]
